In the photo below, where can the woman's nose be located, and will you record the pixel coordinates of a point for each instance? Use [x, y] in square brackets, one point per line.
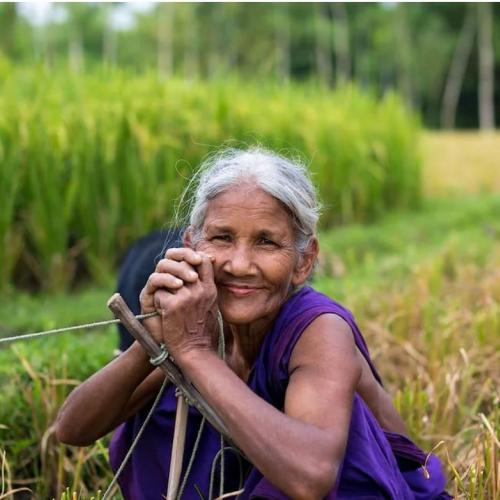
[239, 261]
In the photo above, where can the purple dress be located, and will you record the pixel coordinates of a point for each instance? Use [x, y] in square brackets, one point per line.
[377, 464]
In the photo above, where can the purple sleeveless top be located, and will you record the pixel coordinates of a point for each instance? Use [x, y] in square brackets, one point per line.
[377, 464]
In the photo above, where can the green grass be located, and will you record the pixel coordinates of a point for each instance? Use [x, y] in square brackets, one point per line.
[36, 376]
[362, 255]
[425, 287]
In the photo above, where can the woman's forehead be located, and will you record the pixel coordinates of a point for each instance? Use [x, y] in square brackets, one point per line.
[244, 205]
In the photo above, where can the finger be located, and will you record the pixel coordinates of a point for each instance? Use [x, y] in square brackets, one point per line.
[184, 254]
[160, 299]
[206, 270]
[161, 281]
[181, 270]
[209, 256]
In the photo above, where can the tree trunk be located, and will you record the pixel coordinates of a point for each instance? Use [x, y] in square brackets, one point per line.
[8, 26]
[213, 52]
[165, 59]
[486, 67]
[108, 36]
[457, 69]
[324, 68]
[404, 58]
[75, 52]
[191, 48]
[283, 56]
[341, 42]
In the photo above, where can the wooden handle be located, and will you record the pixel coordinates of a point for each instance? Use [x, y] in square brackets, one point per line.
[120, 309]
[178, 442]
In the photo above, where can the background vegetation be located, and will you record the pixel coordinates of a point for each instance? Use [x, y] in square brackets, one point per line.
[446, 64]
[101, 123]
[90, 163]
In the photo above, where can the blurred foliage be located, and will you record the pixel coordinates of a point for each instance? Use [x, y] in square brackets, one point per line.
[458, 163]
[381, 46]
[90, 163]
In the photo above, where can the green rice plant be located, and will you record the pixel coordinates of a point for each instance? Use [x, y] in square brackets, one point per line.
[11, 172]
[47, 216]
[36, 377]
[51, 465]
[90, 162]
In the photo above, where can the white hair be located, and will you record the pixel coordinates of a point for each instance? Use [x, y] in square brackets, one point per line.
[286, 180]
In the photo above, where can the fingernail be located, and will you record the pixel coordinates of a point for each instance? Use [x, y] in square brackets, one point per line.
[178, 281]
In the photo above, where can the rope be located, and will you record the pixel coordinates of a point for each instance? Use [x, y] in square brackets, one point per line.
[191, 458]
[85, 326]
[220, 454]
[164, 354]
[136, 440]
[222, 354]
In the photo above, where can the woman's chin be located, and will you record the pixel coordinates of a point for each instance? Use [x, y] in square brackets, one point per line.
[238, 313]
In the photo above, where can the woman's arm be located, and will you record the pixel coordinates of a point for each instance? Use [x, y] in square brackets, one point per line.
[299, 450]
[108, 398]
[379, 401]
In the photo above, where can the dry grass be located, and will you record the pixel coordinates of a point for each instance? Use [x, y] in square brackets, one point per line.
[435, 337]
[460, 163]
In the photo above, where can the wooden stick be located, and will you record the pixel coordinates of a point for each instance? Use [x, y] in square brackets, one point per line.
[179, 440]
[120, 309]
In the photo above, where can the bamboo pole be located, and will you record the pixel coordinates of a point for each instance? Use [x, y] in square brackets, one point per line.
[178, 443]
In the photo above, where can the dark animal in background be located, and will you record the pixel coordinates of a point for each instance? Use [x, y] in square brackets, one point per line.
[138, 263]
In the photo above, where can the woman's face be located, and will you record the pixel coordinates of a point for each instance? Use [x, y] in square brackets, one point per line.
[251, 237]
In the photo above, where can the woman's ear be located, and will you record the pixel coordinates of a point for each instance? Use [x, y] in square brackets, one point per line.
[306, 263]
[187, 237]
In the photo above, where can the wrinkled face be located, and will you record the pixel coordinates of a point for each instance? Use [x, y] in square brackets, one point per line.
[251, 236]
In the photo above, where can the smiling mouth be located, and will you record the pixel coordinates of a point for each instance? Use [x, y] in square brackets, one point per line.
[240, 290]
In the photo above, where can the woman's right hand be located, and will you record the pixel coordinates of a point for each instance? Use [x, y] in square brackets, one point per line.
[171, 273]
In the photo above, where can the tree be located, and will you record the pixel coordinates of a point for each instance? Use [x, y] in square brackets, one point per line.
[486, 67]
[8, 21]
[404, 55]
[322, 24]
[341, 42]
[283, 48]
[455, 78]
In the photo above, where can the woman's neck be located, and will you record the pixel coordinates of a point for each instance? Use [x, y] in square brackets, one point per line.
[243, 343]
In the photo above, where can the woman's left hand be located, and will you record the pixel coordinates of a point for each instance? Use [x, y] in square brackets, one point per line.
[189, 313]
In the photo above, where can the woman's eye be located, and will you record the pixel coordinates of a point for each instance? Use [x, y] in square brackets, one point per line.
[267, 241]
[221, 237]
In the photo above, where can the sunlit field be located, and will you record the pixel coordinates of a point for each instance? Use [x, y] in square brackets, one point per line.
[461, 162]
[423, 284]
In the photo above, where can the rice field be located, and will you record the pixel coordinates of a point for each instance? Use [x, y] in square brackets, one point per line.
[461, 163]
[88, 163]
[424, 284]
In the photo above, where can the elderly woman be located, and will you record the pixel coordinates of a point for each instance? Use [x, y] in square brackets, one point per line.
[296, 388]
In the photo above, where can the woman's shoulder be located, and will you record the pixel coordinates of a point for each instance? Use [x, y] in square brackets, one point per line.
[306, 304]
[296, 315]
